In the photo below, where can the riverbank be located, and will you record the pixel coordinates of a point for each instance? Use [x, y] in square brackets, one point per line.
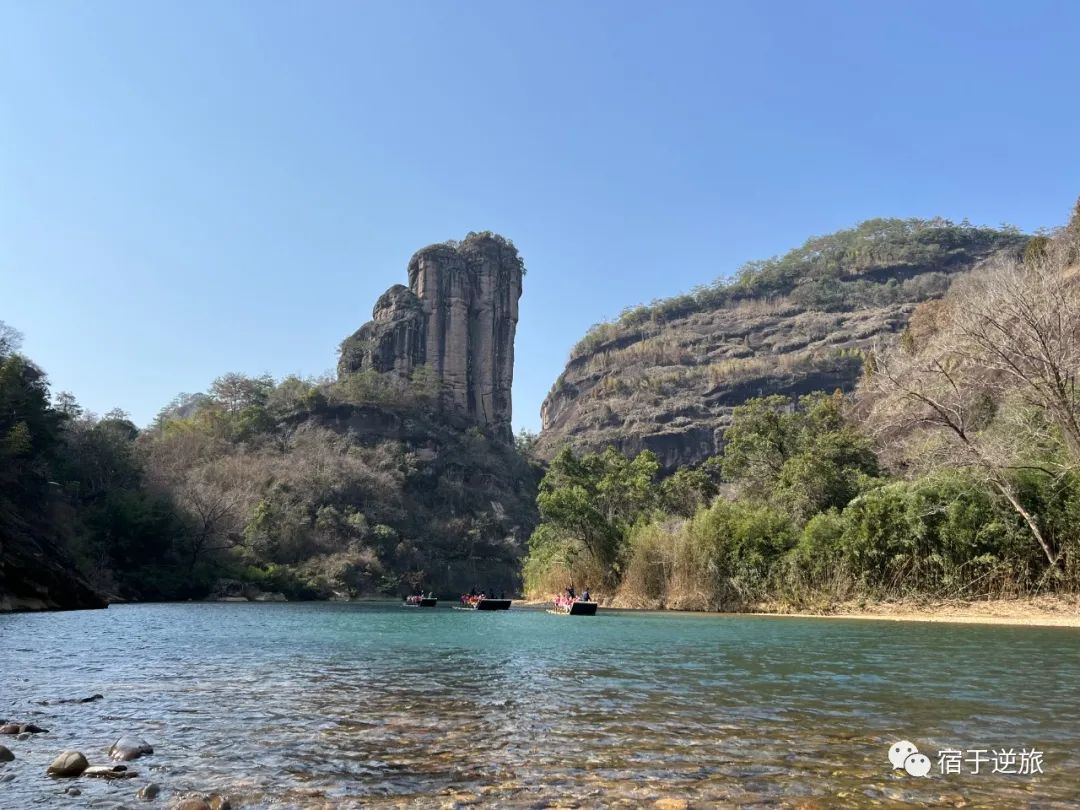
[1039, 611]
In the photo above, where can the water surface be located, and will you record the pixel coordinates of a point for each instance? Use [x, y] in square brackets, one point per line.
[375, 705]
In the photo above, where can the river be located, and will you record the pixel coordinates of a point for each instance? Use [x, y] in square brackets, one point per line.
[374, 705]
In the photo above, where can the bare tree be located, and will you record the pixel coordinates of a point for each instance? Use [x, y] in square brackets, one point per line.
[216, 503]
[943, 394]
[996, 380]
[1020, 323]
[214, 493]
[10, 339]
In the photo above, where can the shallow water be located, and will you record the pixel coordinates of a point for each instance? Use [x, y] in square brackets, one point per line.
[374, 705]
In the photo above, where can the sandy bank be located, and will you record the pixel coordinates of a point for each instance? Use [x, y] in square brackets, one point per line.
[1043, 611]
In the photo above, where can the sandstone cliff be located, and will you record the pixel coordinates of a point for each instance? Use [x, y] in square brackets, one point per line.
[457, 318]
[665, 377]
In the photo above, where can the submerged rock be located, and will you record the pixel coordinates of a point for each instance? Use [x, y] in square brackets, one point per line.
[67, 764]
[192, 803]
[218, 802]
[62, 701]
[21, 728]
[109, 772]
[149, 792]
[671, 804]
[129, 747]
[5, 754]
[270, 597]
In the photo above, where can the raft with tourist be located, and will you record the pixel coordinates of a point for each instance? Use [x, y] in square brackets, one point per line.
[570, 604]
[479, 600]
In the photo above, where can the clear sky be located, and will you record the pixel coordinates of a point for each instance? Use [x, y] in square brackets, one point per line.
[189, 188]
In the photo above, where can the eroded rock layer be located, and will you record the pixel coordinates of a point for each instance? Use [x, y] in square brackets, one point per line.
[666, 377]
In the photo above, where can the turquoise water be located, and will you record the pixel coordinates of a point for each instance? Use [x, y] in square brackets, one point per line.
[375, 705]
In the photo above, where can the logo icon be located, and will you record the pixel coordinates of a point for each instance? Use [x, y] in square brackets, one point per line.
[905, 755]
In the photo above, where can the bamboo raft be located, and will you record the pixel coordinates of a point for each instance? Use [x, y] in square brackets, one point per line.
[487, 604]
[578, 608]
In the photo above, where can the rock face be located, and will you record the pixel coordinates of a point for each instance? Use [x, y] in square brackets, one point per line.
[35, 575]
[458, 318]
[666, 377]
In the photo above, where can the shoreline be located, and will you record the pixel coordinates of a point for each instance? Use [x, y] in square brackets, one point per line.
[1044, 611]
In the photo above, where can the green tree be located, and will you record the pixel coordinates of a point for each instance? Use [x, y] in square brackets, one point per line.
[802, 456]
[595, 499]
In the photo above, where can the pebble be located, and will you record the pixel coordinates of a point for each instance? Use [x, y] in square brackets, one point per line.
[68, 763]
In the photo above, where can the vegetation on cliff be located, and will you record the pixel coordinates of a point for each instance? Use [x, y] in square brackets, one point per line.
[952, 471]
[665, 377]
[310, 488]
[862, 266]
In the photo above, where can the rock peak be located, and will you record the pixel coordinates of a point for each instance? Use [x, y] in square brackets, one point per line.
[458, 317]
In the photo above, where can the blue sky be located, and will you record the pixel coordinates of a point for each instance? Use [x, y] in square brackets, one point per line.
[193, 188]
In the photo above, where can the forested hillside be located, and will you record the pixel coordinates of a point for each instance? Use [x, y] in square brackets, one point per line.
[952, 471]
[309, 489]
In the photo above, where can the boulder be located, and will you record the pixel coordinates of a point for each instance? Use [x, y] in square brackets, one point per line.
[129, 747]
[21, 728]
[5, 754]
[149, 792]
[68, 764]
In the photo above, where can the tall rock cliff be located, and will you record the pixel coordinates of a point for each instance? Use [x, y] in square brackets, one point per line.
[666, 377]
[458, 318]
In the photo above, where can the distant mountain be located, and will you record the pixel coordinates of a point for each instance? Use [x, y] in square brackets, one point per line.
[666, 376]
